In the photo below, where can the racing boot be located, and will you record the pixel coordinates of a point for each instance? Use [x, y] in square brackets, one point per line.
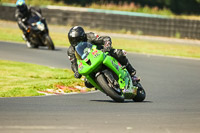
[132, 72]
[25, 37]
[130, 69]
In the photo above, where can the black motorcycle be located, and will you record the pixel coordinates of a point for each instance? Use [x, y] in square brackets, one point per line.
[38, 33]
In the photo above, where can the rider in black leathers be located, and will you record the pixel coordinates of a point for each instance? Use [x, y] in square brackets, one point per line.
[22, 14]
[77, 34]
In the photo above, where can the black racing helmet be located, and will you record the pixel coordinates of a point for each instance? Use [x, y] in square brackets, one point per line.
[76, 34]
[21, 5]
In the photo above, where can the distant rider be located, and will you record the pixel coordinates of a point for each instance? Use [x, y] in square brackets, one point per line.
[22, 14]
[77, 34]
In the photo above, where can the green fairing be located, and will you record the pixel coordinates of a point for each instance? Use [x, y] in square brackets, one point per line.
[96, 62]
[93, 63]
[113, 64]
[86, 69]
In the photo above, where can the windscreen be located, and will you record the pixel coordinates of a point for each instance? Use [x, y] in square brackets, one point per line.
[33, 19]
[83, 49]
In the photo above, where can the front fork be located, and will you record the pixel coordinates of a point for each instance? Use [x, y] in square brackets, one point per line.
[91, 80]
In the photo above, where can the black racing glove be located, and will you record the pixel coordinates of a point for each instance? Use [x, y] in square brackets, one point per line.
[77, 75]
[107, 46]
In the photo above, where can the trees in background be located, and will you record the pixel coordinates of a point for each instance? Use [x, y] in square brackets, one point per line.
[176, 6]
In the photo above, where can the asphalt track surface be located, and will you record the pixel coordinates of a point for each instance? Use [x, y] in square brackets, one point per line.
[172, 104]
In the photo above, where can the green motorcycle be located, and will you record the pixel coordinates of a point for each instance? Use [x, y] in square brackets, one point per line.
[106, 74]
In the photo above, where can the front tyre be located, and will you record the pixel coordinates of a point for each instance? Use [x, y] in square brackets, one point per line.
[48, 42]
[109, 90]
[29, 45]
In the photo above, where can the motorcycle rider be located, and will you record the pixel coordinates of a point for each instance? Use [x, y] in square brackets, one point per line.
[77, 34]
[22, 14]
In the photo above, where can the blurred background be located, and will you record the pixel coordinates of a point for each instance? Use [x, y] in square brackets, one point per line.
[164, 7]
[169, 18]
[161, 27]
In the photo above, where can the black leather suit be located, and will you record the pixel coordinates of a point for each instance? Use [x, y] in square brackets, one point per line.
[99, 41]
[22, 18]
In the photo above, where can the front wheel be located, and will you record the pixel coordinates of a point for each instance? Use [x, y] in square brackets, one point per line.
[109, 90]
[48, 42]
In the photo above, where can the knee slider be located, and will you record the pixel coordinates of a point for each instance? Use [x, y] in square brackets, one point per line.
[120, 53]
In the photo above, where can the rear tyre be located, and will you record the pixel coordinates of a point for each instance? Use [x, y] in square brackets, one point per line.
[48, 42]
[141, 94]
[109, 90]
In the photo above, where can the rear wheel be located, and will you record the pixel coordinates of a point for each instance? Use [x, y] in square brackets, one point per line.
[141, 94]
[48, 42]
[111, 92]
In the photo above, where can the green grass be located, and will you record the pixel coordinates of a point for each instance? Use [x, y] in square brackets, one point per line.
[132, 7]
[123, 6]
[10, 34]
[131, 45]
[24, 79]
[15, 35]
[157, 48]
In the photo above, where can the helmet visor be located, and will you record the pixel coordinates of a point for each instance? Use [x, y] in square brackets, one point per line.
[76, 40]
[22, 8]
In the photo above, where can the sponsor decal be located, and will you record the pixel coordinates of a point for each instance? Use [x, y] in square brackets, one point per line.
[115, 65]
[97, 36]
[80, 65]
[125, 53]
[119, 64]
[96, 55]
[86, 59]
[70, 58]
[95, 52]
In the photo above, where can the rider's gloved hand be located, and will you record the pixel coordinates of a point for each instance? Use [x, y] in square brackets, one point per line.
[107, 46]
[43, 19]
[77, 75]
